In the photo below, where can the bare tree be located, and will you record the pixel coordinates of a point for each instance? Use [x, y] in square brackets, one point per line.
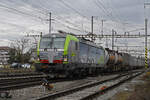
[21, 50]
[3, 62]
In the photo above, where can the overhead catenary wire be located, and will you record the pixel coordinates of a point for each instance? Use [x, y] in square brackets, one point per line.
[76, 11]
[110, 13]
[67, 5]
[47, 11]
[59, 17]
[113, 18]
[102, 7]
[24, 2]
[31, 15]
[69, 27]
[117, 14]
[21, 12]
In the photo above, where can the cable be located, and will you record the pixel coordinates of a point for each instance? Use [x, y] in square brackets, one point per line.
[58, 17]
[101, 6]
[18, 11]
[31, 15]
[69, 26]
[115, 12]
[76, 11]
[25, 3]
[67, 5]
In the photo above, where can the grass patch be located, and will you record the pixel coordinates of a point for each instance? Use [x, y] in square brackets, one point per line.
[124, 95]
[142, 91]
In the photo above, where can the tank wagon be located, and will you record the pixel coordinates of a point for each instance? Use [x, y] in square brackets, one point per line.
[65, 54]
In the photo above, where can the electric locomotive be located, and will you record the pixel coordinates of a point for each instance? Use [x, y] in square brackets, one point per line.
[65, 54]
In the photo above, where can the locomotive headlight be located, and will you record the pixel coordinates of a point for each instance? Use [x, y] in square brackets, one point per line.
[38, 58]
[65, 59]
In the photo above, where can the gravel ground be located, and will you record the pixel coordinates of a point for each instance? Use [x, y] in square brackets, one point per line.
[80, 94]
[32, 92]
[128, 87]
[37, 91]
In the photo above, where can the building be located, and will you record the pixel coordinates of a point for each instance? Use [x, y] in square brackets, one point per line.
[4, 54]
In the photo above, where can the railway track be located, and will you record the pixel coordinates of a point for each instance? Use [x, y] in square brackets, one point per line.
[85, 91]
[97, 93]
[14, 83]
[20, 85]
[17, 79]
[22, 77]
[19, 74]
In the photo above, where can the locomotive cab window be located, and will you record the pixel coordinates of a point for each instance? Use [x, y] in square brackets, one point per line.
[49, 42]
[58, 43]
[45, 42]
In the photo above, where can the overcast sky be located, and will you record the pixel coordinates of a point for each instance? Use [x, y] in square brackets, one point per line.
[19, 17]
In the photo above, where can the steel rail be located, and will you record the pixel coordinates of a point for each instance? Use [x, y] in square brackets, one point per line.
[22, 77]
[75, 89]
[19, 74]
[7, 83]
[101, 92]
[19, 84]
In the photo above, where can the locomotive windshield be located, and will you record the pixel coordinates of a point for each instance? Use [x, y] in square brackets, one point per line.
[58, 43]
[46, 43]
[52, 43]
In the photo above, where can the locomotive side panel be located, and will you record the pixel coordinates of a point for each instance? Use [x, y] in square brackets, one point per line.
[91, 55]
[71, 49]
[83, 53]
[73, 52]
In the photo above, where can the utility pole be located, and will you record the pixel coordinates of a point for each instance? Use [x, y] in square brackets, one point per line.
[102, 26]
[102, 31]
[106, 42]
[92, 25]
[113, 39]
[92, 28]
[50, 23]
[41, 35]
[146, 21]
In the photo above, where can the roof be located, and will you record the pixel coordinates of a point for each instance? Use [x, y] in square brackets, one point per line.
[54, 35]
[4, 48]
